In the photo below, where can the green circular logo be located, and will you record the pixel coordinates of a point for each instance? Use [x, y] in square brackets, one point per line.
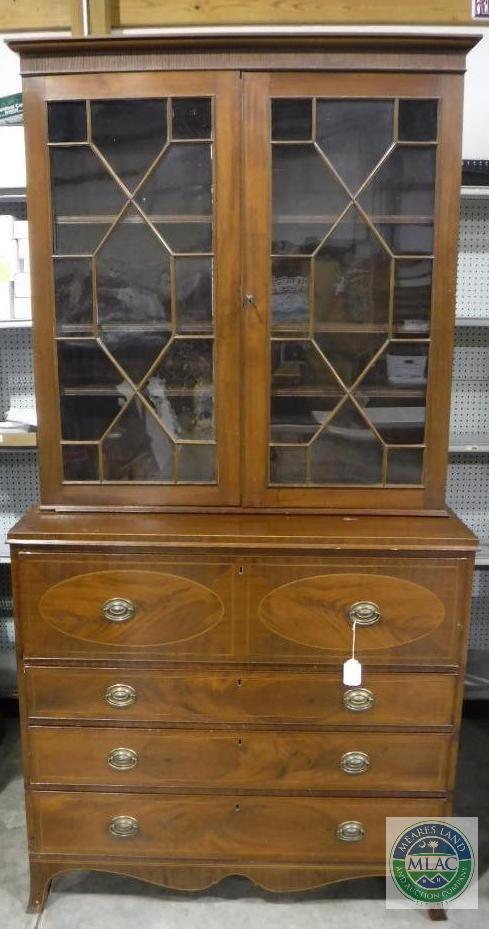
[432, 862]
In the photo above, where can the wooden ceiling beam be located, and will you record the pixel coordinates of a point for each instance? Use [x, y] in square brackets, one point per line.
[21, 15]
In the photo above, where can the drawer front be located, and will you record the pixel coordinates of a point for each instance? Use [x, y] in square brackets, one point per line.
[239, 760]
[407, 610]
[215, 828]
[126, 605]
[267, 698]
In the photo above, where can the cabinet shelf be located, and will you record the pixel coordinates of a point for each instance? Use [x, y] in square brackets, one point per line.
[472, 192]
[469, 442]
[472, 320]
[15, 324]
[18, 440]
[381, 393]
[482, 554]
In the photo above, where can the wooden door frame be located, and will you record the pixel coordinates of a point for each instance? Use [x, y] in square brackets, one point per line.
[224, 87]
[258, 88]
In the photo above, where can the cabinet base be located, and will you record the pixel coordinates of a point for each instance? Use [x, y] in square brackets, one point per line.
[196, 877]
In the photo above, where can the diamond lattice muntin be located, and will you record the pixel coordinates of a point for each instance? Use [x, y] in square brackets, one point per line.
[353, 185]
[132, 196]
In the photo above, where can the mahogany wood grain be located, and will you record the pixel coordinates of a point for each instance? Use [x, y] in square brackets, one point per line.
[257, 762]
[249, 697]
[234, 828]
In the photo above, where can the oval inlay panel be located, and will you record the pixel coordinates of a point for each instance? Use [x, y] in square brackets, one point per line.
[168, 609]
[313, 611]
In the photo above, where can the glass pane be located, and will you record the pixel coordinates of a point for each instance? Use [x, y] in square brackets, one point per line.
[180, 390]
[412, 297]
[393, 393]
[74, 238]
[130, 134]
[290, 293]
[304, 186]
[181, 183]
[196, 463]
[352, 275]
[193, 283]
[133, 275]
[288, 465]
[80, 462]
[291, 120]
[81, 185]
[297, 238]
[186, 237]
[405, 466]
[346, 451]
[135, 349]
[67, 121]
[136, 448]
[304, 391]
[354, 135]
[349, 353]
[92, 389]
[418, 120]
[408, 238]
[192, 118]
[404, 185]
[73, 296]
[82, 190]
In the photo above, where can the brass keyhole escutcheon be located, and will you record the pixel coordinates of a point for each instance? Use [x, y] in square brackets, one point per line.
[364, 613]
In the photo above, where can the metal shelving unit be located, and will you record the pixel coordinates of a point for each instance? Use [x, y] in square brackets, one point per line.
[469, 440]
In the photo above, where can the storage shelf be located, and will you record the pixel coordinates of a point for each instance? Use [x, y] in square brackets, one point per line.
[4, 553]
[15, 323]
[472, 320]
[468, 191]
[469, 442]
[482, 555]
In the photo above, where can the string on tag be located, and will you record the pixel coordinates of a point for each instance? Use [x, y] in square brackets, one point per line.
[352, 669]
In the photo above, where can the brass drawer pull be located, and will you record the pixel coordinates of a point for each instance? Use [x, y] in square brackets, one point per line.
[122, 759]
[350, 831]
[358, 699]
[123, 827]
[354, 762]
[120, 695]
[364, 613]
[118, 610]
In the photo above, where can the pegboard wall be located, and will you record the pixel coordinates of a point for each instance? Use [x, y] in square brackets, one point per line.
[470, 388]
[479, 626]
[16, 377]
[473, 260]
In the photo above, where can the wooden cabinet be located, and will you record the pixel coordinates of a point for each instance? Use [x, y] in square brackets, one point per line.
[243, 257]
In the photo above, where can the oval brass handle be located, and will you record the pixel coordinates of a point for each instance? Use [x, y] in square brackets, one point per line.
[123, 826]
[350, 831]
[120, 695]
[354, 762]
[118, 610]
[122, 759]
[358, 699]
[364, 612]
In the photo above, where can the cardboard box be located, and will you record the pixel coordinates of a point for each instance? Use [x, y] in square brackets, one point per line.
[6, 300]
[22, 285]
[21, 229]
[22, 308]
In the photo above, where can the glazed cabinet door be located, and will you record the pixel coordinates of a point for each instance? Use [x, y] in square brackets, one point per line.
[132, 203]
[351, 202]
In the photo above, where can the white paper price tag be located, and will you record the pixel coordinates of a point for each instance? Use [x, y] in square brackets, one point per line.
[352, 673]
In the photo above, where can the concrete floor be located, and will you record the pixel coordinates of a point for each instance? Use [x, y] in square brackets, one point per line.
[97, 901]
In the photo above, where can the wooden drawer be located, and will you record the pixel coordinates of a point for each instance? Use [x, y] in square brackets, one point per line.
[135, 606]
[239, 760]
[260, 697]
[300, 609]
[204, 827]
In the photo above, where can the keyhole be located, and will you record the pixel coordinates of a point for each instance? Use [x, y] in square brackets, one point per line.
[239, 682]
[240, 741]
[237, 808]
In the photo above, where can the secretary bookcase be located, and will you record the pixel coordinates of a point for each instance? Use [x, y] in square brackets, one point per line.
[243, 261]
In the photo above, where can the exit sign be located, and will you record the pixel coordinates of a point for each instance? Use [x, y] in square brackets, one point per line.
[481, 9]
